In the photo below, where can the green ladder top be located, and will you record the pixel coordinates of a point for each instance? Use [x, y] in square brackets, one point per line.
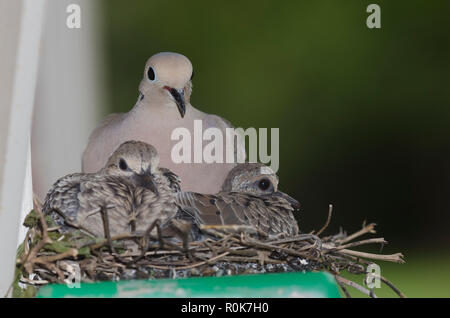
[276, 285]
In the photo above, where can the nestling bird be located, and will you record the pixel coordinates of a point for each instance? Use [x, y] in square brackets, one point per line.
[126, 196]
[249, 196]
[162, 106]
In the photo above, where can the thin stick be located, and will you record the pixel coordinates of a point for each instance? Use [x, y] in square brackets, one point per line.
[236, 228]
[330, 212]
[106, 229]
[26, 247]
[344, 289]
[388, 283]
[37, 203]
[297, 238]
[28, 263]
[272, 247]
[240, 259]
[379, 240]
[396, 258]
[356, 286]
[68, 222]
[211, 260]
[146, 236]
[33, 282]
[71, 252]
[366, 229]
[118, 237]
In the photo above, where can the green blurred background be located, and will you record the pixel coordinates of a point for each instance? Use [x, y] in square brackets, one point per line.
[363, 113]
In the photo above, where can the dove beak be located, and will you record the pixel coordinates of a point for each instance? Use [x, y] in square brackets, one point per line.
[294, 203]
[178, 96]
[145, 180]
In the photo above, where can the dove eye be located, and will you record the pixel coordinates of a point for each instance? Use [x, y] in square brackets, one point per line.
[151, 74]
[123, 164]
[264, 184]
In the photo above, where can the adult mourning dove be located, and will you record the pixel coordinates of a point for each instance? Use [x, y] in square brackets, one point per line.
[249, 196]
[130, 192]
[162, 106]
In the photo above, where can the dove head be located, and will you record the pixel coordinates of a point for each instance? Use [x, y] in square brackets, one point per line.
[168, 80]
[254, 178]
[257, 179]
[135, 161]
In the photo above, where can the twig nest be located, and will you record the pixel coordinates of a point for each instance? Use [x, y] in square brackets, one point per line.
[50, 256]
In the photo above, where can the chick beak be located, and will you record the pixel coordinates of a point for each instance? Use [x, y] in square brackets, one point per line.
[178, 96]
[294, 203]
[145, 180]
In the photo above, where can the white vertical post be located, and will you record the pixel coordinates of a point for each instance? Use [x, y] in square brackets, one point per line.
[20, 33]
[27, 197]
[69, 95]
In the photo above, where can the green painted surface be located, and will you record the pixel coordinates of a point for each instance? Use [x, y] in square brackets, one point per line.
[259, 285]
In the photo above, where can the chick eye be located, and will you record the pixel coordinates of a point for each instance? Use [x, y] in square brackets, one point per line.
[123, 164]
[151, 74]
[264, 184]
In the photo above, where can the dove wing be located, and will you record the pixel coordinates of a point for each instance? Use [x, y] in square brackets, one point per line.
[112, 194]
[272, 215]
[172, 178]
[63, 196]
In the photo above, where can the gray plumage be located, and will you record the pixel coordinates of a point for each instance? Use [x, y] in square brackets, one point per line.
[249, 196]
[139, 192]
[131, 188]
